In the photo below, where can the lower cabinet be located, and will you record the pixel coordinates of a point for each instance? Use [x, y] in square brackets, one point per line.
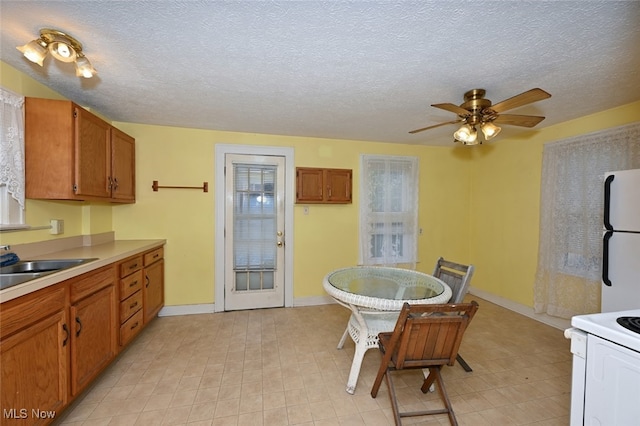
[54, 342]
[153, 291]
[93, 337]
[34, 353]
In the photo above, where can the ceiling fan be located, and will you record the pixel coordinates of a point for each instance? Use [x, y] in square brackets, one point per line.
[476, 111]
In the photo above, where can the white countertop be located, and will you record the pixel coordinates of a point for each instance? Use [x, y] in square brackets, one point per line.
[106, 254]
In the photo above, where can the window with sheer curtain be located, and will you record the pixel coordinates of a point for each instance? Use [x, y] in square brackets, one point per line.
[388, 210]
[11, 160]
[568, 276]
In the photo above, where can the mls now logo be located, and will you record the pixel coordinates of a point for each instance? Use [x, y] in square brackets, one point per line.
[23, 413]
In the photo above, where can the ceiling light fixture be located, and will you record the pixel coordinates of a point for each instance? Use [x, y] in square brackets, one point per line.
[62, 47]
[466, 134]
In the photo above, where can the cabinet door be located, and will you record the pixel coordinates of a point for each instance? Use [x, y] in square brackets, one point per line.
[93, 155]
[34, 366]
[123, 154]
[309, 185]
[93, 338]
[153, 291]
[338, 182]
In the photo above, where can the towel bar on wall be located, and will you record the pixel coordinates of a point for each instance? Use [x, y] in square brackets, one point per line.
[204, 187]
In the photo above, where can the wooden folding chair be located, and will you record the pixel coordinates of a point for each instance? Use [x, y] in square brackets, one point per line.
[457, 276]
[425, 336]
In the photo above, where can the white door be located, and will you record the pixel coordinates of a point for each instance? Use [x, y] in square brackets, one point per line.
[254, 232]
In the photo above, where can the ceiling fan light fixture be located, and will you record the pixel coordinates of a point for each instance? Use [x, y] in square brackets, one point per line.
[489, 130]
[466, 134]
[62, 47]
[34, 51]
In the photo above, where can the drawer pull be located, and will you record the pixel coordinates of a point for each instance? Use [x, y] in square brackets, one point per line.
[135, 265]
[133, 284]
[156, 255]
[133, 305]
[66, 338]
[79, 326]
[134, 326]
[147, 279]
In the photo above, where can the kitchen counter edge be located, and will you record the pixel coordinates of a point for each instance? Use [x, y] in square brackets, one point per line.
[106, 254]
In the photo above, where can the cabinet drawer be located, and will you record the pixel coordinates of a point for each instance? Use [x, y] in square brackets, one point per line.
[130, 306]
[21, 312]
[131, 284]
[130, 328]
[91, 282]
[130, 266]
[153, 256]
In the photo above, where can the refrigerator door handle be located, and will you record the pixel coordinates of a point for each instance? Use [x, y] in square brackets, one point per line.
[605, 258]
[607, 202]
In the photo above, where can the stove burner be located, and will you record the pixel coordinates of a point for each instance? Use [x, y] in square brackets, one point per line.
[630, 323]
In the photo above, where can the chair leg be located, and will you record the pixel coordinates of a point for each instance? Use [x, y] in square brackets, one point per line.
[463, 363]
[435, 371]
[394, 399]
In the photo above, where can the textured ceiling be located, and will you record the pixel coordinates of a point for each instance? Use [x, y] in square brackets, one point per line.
[349, 70]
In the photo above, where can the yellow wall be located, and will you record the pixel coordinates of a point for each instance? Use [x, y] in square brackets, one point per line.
[478, 205]
[325, 239]
[505, 203]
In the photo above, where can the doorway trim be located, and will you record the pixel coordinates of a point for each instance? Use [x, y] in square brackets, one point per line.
[221, 150]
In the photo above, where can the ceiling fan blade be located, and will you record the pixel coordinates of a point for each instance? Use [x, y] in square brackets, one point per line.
[436, 125]
[453, 108]
[518, 120]
[525, 98]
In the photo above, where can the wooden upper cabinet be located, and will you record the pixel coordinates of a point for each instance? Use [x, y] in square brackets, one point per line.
[317, 185]
[93, 168]
[72, 154]
[123, 165]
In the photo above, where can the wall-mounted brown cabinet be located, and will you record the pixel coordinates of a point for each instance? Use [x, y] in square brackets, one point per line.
[328, 186]
[71, 154]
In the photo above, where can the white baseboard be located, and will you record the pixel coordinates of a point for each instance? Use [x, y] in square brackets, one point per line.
[169, 311]
[313, 301]
[559, 323]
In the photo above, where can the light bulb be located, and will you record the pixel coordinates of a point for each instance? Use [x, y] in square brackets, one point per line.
[84, 68]
[466, 134]
[62, 51]
[489, 130]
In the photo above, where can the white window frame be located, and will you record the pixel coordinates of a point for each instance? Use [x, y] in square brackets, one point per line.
[388, 210]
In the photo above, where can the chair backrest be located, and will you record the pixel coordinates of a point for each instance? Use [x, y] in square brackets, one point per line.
[455, 275]
[429, 335]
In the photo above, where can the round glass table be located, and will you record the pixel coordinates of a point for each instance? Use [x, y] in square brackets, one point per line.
[375, 295]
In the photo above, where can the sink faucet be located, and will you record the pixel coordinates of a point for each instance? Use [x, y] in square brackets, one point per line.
[5, 248]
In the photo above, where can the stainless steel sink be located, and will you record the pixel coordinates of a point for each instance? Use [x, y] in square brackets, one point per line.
[27, 270]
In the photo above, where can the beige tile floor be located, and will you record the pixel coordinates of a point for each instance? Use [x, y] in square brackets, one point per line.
[281, 367]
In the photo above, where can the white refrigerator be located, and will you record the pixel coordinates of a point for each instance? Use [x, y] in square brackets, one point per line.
[621, 241]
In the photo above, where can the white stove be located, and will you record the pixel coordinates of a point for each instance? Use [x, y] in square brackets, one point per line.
[605, 386]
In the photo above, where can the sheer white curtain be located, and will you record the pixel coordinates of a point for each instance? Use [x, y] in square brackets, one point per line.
[388, 210]
[11, 159]
[571, 208]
